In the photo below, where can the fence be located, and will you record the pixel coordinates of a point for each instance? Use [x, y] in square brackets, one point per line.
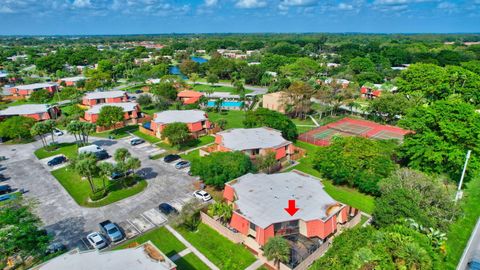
[220, 228]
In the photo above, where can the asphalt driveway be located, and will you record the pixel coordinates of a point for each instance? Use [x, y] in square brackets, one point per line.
[68, 221]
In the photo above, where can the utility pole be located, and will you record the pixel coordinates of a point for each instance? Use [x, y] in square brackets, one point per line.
[459, 190]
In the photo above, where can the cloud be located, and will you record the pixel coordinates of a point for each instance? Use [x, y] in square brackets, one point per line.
[6, 10]
[298, 3]
[81, 3]
[446, 5]
[248, 4]
[344, 6]
[210, 3]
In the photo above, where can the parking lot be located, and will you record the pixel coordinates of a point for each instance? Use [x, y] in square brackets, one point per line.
[68, 221]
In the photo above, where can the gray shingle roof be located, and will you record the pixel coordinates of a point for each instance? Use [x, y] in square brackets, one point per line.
[252, 138]
[106, 94]
[126, 106]
[185, 116]
[261, 198]
[25, 109]
[34, 86]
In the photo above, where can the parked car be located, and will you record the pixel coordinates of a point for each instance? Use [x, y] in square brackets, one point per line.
[56, 161]
[111, 230]
[57, 132]
[167, 209]
[138, 91]
[182, 164]
[4, 189]
[118, 175]
[97, 240]
[171, 158]
[202, 195]
[90, 149]
[136, 141]
[55, 247]
[102, 155]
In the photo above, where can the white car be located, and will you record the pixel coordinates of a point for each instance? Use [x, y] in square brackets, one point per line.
[97, 240]
[57, 132]
[202, 195]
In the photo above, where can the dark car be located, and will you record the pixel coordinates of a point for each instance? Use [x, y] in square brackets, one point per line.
[118, 175]
[171, 158]
[167, 209]
[4, 189]
[101, 155]
[55, 247]
[138, 91]
[182, 164]
[136, 141]
[56, 161]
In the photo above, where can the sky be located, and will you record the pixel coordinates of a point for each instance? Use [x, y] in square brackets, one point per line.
[113, 17]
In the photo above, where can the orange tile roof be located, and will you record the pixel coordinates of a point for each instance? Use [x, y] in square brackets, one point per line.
[189, 94]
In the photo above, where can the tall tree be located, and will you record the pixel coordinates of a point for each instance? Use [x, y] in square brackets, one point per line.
[444, 131]
[297, 99]
[109, 116]
[17, 127]
[267, 118]
[176, 133]
[86, 165]
[278, 250]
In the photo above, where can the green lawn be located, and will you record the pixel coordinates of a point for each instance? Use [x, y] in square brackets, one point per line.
[67, 149]
[234, 118]
[161, 238]
[218, 249]
[80, 189]
[117, 133]
[462, 228]
[146, 137]
[343, 194]
[190, 262]
[191, 155]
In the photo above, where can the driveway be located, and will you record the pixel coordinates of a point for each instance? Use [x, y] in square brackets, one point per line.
[68, 221]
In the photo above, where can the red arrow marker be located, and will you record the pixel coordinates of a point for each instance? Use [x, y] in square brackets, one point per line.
[292, 209]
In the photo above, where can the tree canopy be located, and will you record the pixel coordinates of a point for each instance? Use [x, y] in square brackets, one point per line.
[176, 133]
[17, 127]
[265, 117]
[356, 161]
[220, 167]
[109, 116]
[444, 131]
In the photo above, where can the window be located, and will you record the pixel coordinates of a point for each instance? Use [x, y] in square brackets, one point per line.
[253, 226]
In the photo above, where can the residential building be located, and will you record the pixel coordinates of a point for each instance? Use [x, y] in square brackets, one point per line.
[375, 90]
[259, 201]
[27, 89]
[143, 257]
[251, 141]
[343, 82]
[94, 98]
[38, 112]
[189, 96]
[71, 81]
[196, 120]
[131, 112]
[274, 101]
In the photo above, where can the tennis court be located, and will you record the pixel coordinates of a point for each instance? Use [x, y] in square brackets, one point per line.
[352, 127]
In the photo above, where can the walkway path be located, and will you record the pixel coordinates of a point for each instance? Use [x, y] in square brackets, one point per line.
[255, 265]
[192, 248]
[180, 254]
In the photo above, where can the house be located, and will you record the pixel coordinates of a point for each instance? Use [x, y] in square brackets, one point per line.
[38, 112]
[196, 120]
[27, 89]
[94, 98]
[131, 111]
[3, 77]
[189, 96]
[259, 201]
[71, 81]
[251, 141]
[343, 82]
[274, 101]
[372, 91]
[143, 257]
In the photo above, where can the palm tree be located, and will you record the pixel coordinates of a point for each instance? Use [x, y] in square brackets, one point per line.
[86, 165]
[106, 169]
[40, 130]
[194, 78]
[278, 250]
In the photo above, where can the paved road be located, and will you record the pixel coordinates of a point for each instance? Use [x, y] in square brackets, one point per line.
[68, 221]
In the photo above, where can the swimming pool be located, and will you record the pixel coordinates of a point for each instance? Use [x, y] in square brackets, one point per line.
[226, 104]
[199, 60]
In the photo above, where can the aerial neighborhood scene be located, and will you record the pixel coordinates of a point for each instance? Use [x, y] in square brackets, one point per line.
[240, 135]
